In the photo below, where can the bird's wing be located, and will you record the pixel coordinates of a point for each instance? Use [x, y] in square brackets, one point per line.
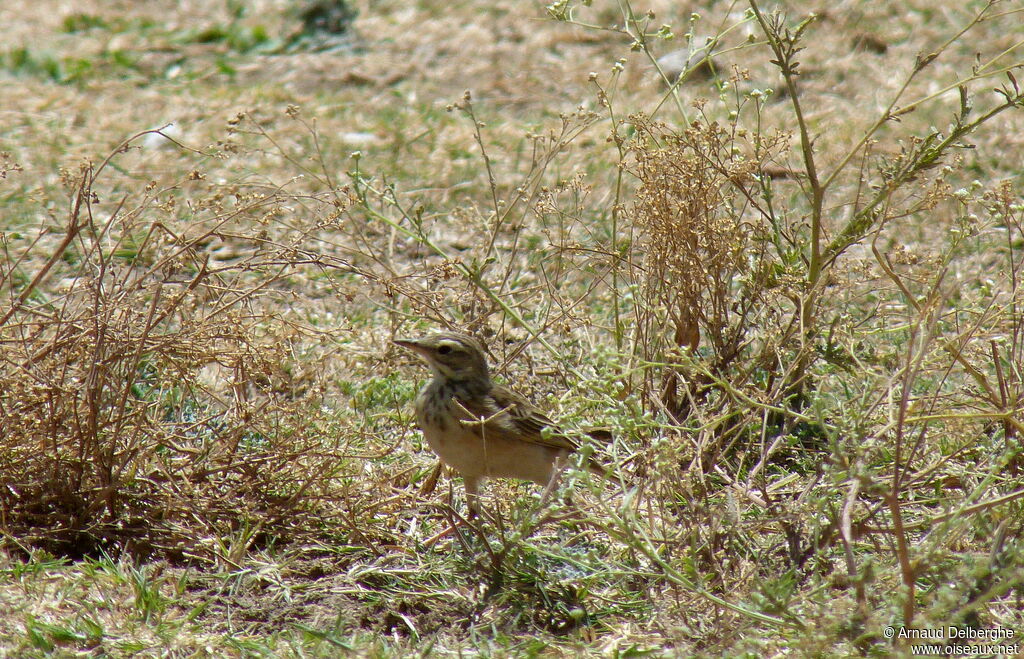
[504, 413]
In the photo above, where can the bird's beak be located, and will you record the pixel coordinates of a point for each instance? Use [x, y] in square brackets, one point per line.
[411, 344]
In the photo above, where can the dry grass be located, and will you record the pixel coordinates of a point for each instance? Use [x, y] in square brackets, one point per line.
[793, 289]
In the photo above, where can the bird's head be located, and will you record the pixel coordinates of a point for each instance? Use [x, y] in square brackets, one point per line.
[450, 355]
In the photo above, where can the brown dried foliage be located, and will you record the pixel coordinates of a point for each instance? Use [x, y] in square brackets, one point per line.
[149, 405]
[707, 260]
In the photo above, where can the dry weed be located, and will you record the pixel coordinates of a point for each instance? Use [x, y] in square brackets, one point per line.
[151, 401]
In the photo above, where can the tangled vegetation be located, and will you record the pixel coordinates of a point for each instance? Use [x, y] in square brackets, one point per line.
[787, 276]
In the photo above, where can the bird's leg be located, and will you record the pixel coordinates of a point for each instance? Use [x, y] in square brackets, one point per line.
[472, 484]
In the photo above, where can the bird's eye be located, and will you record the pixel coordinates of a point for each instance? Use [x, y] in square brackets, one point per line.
[444, 350]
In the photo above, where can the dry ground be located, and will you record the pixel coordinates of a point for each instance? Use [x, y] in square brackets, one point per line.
[207, 443]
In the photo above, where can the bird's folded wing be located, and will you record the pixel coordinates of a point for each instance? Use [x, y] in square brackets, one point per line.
[506, 414]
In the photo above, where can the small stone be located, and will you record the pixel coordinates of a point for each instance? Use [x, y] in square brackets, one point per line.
[682, 61]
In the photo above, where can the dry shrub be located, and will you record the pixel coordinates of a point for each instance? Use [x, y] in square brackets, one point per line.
[709, 269]
[151, 404]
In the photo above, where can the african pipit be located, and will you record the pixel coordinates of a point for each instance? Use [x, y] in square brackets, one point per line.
[478, 428]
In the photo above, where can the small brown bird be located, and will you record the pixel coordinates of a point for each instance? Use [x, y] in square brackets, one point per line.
[478, 428]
